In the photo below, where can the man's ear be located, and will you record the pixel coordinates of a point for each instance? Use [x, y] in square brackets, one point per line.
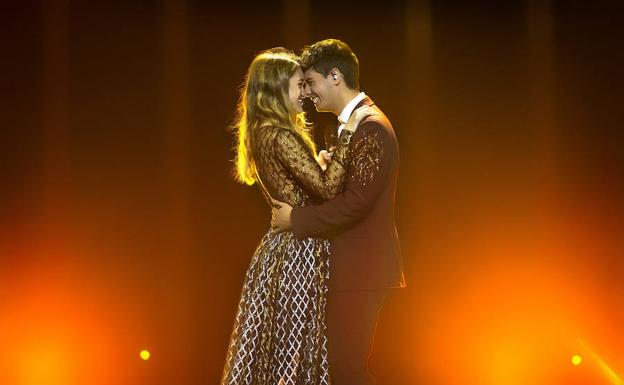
[335, 74]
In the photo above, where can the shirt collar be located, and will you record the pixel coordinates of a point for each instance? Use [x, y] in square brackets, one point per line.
[348, 109]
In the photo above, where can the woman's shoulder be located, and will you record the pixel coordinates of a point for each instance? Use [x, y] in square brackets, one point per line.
[276, 131]
[269, 134]
[272, 128]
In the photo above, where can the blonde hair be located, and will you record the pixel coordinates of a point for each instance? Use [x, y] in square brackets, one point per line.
[264, 100]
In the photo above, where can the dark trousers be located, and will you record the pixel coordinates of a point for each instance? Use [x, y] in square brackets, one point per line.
[351, 322]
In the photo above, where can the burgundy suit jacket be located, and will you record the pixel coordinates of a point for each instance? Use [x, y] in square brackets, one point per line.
[359, 222]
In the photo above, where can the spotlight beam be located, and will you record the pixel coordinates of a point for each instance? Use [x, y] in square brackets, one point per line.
[608, 372]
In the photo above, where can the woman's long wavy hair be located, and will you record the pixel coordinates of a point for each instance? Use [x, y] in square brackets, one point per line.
[264, 100]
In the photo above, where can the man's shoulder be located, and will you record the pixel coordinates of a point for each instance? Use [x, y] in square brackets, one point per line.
[375, 125]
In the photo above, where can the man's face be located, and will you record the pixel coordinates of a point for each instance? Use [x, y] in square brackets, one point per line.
[296, 85]
[319, 89]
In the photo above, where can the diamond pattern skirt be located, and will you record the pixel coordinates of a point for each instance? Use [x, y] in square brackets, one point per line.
[279, 330]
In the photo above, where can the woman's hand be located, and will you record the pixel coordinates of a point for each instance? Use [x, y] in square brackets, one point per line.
[357, 116]
[323, 159]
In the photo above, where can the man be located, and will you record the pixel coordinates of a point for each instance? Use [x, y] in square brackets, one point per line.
[365, 255]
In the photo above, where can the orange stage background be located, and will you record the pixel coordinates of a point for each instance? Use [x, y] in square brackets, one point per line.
[122, 230]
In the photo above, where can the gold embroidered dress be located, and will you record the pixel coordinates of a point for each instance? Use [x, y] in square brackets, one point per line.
[278, 336]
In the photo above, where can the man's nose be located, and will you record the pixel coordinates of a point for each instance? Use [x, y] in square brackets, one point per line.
[305, 90]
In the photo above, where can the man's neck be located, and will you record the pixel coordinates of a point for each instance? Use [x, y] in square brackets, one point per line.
[344, 98]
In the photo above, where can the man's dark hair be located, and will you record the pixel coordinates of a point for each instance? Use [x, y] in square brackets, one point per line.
[326, 54]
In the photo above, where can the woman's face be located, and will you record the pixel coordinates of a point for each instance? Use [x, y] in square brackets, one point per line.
[294, 91]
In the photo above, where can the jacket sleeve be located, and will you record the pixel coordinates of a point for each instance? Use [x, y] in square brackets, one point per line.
[298, 159]
[373, 157]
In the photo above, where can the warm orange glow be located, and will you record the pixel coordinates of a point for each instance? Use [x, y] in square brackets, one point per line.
[43, 363]
[57, 330]
[505, 317]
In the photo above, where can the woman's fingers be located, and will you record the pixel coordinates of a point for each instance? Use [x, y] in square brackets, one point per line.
[325, 155]
[323, 159]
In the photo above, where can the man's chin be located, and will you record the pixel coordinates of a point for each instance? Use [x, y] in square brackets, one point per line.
[320, 108]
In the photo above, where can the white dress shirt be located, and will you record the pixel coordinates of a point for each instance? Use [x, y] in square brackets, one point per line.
[348, 110]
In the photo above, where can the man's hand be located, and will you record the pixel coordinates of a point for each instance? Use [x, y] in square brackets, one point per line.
[280, 216]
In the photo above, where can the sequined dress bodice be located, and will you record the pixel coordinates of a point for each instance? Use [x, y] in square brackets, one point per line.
[288, 170]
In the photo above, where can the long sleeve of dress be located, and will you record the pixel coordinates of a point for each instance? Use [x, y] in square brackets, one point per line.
[296, 157]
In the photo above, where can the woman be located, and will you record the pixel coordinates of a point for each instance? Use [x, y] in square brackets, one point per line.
[279, 330]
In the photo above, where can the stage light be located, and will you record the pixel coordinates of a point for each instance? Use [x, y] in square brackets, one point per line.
[145, 355]
[576, 360]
